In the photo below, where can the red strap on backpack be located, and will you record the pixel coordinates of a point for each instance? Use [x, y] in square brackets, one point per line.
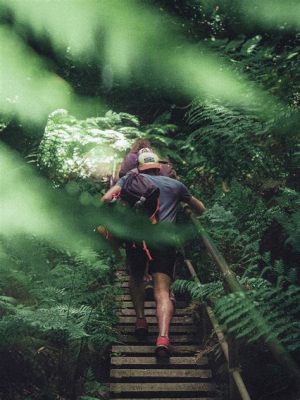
[147, 251]
[153, 219]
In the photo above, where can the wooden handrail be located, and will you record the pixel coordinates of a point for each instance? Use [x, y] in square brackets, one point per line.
[276, 348]
[235, 373]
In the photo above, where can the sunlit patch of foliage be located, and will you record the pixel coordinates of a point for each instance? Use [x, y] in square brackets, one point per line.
[81, 149]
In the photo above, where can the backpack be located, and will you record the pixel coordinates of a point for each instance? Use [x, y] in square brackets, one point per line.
[167, 169]
[129, 162]
[142, 194]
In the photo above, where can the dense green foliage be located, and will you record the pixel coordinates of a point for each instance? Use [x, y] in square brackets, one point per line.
[57, 312]
[247, 172]
[215, 87]
[83, 149]
[236, 311]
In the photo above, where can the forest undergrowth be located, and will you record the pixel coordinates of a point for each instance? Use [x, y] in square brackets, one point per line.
[57, 289]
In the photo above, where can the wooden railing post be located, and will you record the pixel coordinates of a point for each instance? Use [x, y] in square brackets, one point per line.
[275, 346]
[237, 388]
[236, 380]
[233, 365]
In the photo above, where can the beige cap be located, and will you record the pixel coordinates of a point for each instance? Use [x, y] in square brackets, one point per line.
[148, 160]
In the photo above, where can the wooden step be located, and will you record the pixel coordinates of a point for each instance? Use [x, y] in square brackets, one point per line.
[137, 374]
[151, 311]
[123, 297]
[127, 349]
[174, 329]
[126, 297]
[181, 397]
[122, 283]
[122, 275]
[172, 361]
[161, 373]
[150, 339]
[162, 387]
[124, 290]
[153, 320]
[151, 304]
[122, 268]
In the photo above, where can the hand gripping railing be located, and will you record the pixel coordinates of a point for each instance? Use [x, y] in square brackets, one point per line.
[233, 285]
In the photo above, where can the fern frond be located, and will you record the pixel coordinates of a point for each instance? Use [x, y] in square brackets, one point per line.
[198, 292]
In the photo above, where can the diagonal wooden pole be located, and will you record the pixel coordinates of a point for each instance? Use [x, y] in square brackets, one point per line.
[275, 346]
[235, 372]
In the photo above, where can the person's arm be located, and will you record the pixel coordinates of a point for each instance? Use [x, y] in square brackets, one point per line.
[196, 205]
[111, 194]
[114, 243]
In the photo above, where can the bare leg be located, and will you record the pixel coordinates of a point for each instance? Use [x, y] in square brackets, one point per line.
[137, 292]
[164, 306]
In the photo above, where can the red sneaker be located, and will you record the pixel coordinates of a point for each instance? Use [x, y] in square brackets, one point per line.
[141, 327]
[162, 347]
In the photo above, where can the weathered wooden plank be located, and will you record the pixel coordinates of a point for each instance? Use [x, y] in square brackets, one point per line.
[168, 398]
[121, 284]
[152, 304]
[125, 291]
[154, 328]
[162, 387]
[122, 275]
[127, 360]
[153, 320]
[161, 373]
[150, 349]
[122, 268]
[127, 297]
[131, 312]
[150, 339]
[123, 297]
[151, 311]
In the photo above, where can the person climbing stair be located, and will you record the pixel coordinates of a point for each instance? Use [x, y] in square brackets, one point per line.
[162, 262]
[130, 161]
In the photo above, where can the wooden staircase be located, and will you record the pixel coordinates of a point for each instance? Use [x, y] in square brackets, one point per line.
[136, 373]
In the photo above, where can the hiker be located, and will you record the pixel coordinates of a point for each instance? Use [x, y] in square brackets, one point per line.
[161, 264]
[130, 161]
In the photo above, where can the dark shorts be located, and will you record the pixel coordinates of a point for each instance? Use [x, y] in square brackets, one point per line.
[163, 261]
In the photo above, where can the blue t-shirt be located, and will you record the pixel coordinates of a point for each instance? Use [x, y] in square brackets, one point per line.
[172, 192]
